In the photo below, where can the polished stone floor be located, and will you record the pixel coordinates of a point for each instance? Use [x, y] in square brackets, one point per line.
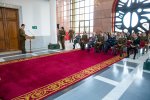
[124, 80]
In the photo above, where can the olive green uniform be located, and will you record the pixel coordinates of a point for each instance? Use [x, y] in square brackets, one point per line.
[71, 34]
[99, 43]
[121, 44]
[62, 38]
[22, 39]
[83, 41]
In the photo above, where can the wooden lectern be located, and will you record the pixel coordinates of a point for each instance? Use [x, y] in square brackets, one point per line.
[30, 38]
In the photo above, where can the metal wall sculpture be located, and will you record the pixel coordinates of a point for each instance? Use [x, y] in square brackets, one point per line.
[132, 16]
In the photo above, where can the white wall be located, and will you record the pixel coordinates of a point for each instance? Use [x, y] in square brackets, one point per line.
[34, 13]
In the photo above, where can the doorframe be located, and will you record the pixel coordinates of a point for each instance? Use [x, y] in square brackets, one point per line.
[20, 18]
[6, 5]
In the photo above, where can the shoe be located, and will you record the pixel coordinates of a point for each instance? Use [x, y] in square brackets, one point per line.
[73, 46]
[24, 52]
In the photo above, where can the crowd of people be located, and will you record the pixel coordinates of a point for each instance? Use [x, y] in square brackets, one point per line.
[118, 43]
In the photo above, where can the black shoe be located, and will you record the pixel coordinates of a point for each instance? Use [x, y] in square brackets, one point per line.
[73, 46]
[24, 52]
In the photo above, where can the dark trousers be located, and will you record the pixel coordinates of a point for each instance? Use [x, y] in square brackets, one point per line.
[71, 39]
[62, 42]
[90, 44]
[22, 42]
[98, 47]
[82, 45]
[75, 42]
[134, 51]
[106, 47]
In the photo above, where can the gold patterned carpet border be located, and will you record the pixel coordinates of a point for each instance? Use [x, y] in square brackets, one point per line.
[34, 57]
[49, 89]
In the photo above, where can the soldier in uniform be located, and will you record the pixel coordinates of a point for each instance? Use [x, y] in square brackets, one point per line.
[83, 41]
[121, 43]
[62, 37]
[99, 42]
[71, 35]
[23, 37]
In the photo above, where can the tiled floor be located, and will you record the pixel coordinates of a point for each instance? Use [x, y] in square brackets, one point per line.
[124, 80]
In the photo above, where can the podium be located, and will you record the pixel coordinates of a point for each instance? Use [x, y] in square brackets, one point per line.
[30, 38]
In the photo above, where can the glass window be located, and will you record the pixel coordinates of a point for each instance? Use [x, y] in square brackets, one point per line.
[82, 24]
[81, 10]
[91, 8]
[87, 23]
[82, 17]
[76, 17]
[77, 5]
[87, 9]
[91, 15]
[87, 3]
[76, 11]
[91, 22]
[77, 0]
[77, 24]
[91, 29]
[87, 16]
[77, 30]
[81, 30]
[91, 2]
[81, 3]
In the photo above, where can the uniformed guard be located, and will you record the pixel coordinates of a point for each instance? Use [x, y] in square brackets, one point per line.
[62, 37]
[71, 35]
[121, 44]
[22, 38]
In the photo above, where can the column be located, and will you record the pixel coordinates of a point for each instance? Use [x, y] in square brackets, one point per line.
[53, 27]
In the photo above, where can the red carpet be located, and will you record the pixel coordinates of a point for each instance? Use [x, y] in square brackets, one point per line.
[38, 77]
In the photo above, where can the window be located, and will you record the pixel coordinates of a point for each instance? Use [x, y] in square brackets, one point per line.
[132, 16]
[78, 13]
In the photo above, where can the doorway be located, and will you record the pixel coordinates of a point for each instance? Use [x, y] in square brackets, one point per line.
[9, 29]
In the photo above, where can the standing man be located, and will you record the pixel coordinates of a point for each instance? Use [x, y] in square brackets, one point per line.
[71, 35]
[23, 37]
[62, 37]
